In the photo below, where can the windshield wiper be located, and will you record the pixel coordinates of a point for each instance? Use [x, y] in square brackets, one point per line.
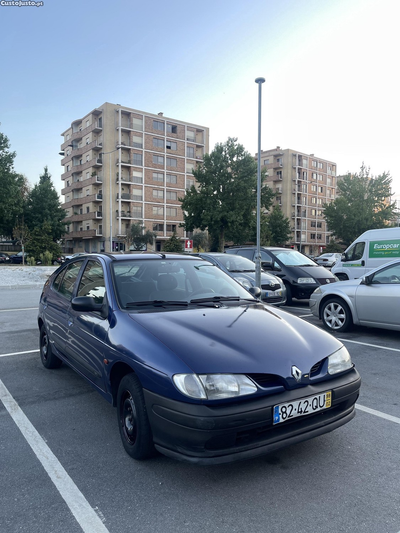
[222, 299]
[157, 303]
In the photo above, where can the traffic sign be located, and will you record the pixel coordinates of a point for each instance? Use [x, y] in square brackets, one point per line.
[188, 245]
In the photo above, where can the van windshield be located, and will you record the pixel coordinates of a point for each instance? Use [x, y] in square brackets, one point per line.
[293, 258]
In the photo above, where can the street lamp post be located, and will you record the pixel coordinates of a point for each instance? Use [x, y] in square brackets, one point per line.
[259, 81]
[111, 202]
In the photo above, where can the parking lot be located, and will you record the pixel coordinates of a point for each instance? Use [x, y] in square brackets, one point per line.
[63, 467]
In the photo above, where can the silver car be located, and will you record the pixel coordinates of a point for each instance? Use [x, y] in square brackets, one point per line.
[373, 300]
[327, 260]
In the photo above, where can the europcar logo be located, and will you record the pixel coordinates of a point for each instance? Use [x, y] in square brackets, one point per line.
[386, 249]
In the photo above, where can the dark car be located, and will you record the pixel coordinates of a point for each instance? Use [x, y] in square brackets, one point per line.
[300, 274]
[197, 368]
[16, 259]
[243, 270]
[4, 258]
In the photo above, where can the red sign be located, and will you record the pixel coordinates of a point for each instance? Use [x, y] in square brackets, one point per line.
[188, 245]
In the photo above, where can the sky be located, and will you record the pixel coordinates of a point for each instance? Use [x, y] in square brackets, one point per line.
[331, 68]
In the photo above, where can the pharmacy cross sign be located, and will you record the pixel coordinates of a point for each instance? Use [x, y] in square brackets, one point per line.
[188, 245]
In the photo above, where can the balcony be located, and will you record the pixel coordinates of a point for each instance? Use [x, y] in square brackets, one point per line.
[83, 234]
[129, 197]
[124, 214]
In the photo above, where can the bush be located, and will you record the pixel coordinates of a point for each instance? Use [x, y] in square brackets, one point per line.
[31, 261]
[46, 258]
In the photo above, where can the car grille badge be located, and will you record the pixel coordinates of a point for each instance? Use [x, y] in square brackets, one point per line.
[296, 373]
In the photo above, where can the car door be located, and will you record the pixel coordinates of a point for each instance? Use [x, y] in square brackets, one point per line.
[56, 303]
[378, 303]
[354, 265]
[87, 331]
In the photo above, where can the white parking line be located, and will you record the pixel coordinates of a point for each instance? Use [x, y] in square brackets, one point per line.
[20, 309]
[372, 345]
[378, 413]
[17, 353]
[77, 503]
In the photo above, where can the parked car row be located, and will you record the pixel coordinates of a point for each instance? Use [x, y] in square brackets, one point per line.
[16, 259]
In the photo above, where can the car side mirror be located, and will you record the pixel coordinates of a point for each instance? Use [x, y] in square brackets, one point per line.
[255, 291]
[367, 280]
[267, 265]
[86, 304]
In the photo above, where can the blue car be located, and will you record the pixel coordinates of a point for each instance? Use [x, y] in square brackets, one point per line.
[197, 368]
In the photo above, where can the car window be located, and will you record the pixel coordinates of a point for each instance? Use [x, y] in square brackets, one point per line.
[236, 263]
[92, 282]
[356, 251]
[65, 286]
[247, 252]
[390, 275]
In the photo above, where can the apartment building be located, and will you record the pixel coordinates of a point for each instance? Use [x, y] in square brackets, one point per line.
[302, 184]
[123, 166]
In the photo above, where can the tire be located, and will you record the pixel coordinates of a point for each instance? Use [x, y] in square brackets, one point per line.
[289, 297]
[336, 315]
[133, 422]
[49, 360]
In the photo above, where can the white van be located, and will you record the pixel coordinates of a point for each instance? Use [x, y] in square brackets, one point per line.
[372, 249]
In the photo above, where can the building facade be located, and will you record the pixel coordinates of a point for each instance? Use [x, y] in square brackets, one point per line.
[302, 184]
[121, 167]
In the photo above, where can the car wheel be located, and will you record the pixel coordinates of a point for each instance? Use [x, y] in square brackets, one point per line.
[134, 426]
[336, 315]
[289, 297]
[49, 360]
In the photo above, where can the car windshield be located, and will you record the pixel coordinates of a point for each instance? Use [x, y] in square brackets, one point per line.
[236, 263]
[172, 281]
[293, 258]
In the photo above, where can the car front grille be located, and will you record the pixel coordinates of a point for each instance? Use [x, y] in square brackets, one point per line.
[324, 281]
[271, 287]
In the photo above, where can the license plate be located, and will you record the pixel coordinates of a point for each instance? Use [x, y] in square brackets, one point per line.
[305, 406]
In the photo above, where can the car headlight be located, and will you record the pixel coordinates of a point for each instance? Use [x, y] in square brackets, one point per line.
[306, 280]
[214, 386]
[245, 282]
[339, 361]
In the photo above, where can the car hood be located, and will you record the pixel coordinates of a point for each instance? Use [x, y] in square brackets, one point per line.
[316, 272]
[240, 339]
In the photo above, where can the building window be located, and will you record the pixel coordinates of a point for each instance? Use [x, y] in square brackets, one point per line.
[190, 151]
[171, 145]
[279, 174]
[171, 162]
[319, 236]
[171, 228]
[136, 211]
[137, 141]
[157, 125]
[189, 183]
[266, 161]
[314, 164]
[137, 124]
[87, 209]
[158, 211]
[321, 189]
[320, 165]
[172, 178]
[158, 143]
[158, 159]
[313, 223]
[320, 177]
[158, 194]
[313, 212]
[313, 200]
[171, 128]
[171, 211]
[158, 227]
[314, 188]
[312, 236]
[137, 195]
[158, 176]
[138, 160]
[171, 195]
[137, 176]
[319, 224]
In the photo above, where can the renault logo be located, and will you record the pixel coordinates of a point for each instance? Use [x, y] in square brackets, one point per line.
[296, 373]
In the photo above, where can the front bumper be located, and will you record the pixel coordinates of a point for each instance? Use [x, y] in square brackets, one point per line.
[205, 434]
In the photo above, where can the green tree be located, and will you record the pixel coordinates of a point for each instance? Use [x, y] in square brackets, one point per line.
[225, 200]
[13, 189]
[363, 203]
[279, 227]
[173, 244]
[21, 234]
[41, 241]
[137, 239]
[334, 247]
[43, 205]
[200, 240]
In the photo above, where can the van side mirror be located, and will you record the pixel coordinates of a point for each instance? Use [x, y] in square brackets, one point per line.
[344, 257]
